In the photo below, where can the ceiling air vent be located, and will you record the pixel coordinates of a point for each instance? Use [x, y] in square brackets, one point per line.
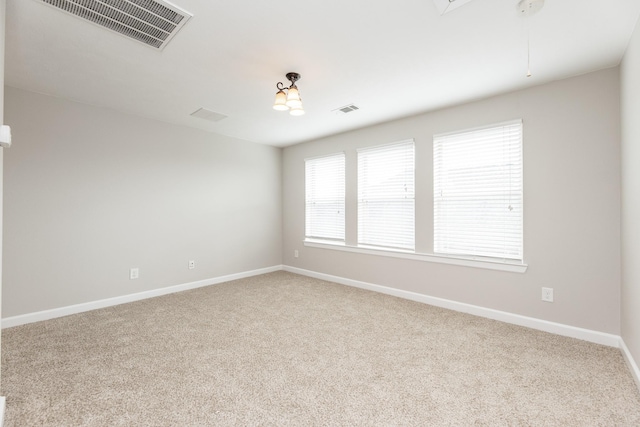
[346, 109]
[151, 22]
[212, 116]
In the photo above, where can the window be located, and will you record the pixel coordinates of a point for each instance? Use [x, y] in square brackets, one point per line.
[324, 196]
[478, 192]
[386, 196]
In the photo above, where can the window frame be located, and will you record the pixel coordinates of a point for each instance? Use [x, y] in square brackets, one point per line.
[387, 196]
[341, 179]
[478, 248]
[351, 200]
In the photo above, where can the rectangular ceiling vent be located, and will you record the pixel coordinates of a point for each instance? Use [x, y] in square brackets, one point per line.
[346, 109]
[151, 22]
[212, 116]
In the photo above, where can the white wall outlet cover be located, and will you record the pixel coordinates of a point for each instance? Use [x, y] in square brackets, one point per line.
[5, 136]
[445, 6]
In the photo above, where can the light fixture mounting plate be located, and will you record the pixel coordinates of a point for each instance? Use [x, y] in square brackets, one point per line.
[530, 7]
[293, 77]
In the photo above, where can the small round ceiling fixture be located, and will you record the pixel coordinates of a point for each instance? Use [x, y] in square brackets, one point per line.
[530, 7]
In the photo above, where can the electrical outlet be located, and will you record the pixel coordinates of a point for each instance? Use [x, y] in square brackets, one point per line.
[134, 273]
[192, 265]
[547, 294]
[295, 253]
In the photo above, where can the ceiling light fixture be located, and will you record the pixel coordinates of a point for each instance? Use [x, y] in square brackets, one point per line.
[288, 98]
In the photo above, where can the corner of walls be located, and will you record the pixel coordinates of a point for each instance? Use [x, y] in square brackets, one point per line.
[631, 363]
[3, 6]
[630, 176]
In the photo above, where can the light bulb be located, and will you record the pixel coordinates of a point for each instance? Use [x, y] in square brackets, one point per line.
[280, 103]
[297, 111]
[293, 97]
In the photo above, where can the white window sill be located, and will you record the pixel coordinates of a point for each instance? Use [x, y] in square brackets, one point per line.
[513, 267]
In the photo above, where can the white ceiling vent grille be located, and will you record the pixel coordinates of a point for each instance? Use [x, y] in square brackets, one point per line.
[212, 116]
[151, 22]
[346, 109]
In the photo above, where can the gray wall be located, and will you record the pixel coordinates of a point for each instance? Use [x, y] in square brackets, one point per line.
[91, 192]
[3, 5]
[630, 84]
[571, 205]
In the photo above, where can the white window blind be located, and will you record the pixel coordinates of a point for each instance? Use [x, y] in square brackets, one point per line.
[324, 195]
[478, 192]
[386, 196]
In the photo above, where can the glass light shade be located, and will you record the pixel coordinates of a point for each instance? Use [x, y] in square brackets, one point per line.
[297, 111]
[294, 104]
[293, 98]
[280, 102]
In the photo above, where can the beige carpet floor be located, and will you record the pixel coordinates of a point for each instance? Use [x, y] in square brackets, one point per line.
[287, 350]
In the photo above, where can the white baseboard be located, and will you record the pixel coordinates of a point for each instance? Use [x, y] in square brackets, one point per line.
[631, 363]
[516, 319]
[93, 305]
[2, 403]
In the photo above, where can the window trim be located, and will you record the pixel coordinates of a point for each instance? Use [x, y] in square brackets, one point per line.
[475, 262]
[486, 263]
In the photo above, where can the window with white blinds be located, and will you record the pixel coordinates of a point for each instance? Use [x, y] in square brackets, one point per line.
[386, 196]
[478, 192]
[324, 195]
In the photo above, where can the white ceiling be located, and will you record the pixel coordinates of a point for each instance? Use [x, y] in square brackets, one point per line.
[390, 58]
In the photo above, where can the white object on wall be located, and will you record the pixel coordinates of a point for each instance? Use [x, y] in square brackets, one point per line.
[5, 136]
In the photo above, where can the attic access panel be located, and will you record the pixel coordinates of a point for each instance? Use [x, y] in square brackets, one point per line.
[445, 6]
[152, 22]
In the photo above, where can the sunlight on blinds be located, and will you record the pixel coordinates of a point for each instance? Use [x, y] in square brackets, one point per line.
[478, 192]
[386, 196]
[324, 194]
